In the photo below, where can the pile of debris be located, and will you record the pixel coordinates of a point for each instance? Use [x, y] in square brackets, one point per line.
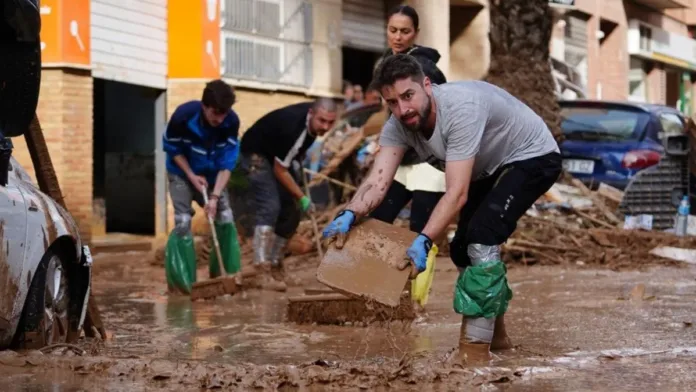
[573, 225]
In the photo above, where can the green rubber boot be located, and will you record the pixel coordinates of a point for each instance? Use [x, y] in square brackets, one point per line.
[180, 263]
[229, 248]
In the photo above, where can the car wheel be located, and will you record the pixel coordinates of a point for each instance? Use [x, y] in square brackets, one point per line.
[56, 302]
[46, 314]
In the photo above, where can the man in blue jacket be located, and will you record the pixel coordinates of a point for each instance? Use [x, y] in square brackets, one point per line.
[202, 148]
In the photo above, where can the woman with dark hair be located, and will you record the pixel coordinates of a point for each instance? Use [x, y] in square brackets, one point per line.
[417, 182]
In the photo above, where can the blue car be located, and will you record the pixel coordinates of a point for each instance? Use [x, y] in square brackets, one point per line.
[609, 142]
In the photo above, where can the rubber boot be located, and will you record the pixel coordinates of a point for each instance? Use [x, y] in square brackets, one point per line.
[277, 253]
[229, 248]
[472, 352]
[180, 263]
[263, 244]
[501, 340]
[266, 280]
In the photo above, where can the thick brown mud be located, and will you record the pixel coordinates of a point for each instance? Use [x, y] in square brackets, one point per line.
[573, 329]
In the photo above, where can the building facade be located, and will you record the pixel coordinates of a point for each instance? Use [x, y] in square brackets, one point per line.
[114, 71]
[638, 50]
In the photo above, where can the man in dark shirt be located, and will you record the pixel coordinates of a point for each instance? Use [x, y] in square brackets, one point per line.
[268, 150]
[202, 149]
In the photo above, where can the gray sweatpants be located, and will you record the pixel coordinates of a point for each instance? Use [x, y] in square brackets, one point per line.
[183, 194]
[273, 204]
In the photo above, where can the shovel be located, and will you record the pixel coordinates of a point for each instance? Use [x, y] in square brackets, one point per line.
[315, 226]
[215, 287]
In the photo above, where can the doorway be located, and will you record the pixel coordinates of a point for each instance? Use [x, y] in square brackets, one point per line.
[126, 122]
[672, 87]
[358, 65]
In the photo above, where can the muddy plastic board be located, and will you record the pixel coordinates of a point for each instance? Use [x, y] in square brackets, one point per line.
[362, 267]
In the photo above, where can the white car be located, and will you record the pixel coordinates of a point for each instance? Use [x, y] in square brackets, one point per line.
[45, 271]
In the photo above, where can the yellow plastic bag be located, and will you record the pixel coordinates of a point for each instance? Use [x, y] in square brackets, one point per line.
[420, 287]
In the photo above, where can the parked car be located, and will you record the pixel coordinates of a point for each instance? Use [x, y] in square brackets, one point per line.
[609, 142]
[45, 270]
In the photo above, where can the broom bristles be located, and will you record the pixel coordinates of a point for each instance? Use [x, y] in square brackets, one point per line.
[341, 311]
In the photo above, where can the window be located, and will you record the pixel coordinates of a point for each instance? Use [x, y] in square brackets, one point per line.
[637, 81]
[267, 41]
[252, 59]
[645, 38]
[602, 123]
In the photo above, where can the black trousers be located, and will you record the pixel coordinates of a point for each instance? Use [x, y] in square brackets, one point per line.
[273, 204]
[398, 196]
[496, 203]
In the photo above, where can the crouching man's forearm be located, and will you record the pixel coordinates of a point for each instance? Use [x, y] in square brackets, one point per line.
[368, 195]
[372, 191]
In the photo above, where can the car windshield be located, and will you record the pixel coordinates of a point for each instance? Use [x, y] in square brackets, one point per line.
[602, 124]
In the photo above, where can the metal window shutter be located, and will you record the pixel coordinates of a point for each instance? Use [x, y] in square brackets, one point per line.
[363, 25]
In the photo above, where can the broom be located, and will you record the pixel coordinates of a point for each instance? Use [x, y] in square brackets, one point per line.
[224, 284]
[331, 308]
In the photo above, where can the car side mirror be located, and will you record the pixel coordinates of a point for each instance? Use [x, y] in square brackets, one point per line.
[5, 155]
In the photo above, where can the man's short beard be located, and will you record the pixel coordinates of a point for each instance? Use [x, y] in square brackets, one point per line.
[424, 114]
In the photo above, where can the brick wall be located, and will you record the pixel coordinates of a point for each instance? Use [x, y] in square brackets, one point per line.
[655, 84]
[607, 60]
[250, 106]
[65, 113]
[613, 75]
[655, 18]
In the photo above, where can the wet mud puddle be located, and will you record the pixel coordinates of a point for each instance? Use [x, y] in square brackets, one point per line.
[575, 330]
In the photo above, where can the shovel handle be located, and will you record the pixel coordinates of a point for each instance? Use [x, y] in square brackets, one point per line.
[216, 243]
[315, 227]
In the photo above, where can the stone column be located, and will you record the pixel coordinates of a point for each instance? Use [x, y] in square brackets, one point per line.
[434, 23]
[470, 49]
[327, 57]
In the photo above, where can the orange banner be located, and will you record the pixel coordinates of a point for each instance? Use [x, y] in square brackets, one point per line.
[65, 33]
[194, 39]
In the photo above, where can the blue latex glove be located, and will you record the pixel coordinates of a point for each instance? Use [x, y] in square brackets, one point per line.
[339, 227]
[418, 252]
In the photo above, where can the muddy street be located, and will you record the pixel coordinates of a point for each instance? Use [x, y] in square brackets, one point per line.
[573, 328]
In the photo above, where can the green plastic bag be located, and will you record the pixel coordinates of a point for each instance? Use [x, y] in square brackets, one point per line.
[229, 248]
[482, 291]
[180, 262]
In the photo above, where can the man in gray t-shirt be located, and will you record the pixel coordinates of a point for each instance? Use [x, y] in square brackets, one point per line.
[475, 119]
[498, 156]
